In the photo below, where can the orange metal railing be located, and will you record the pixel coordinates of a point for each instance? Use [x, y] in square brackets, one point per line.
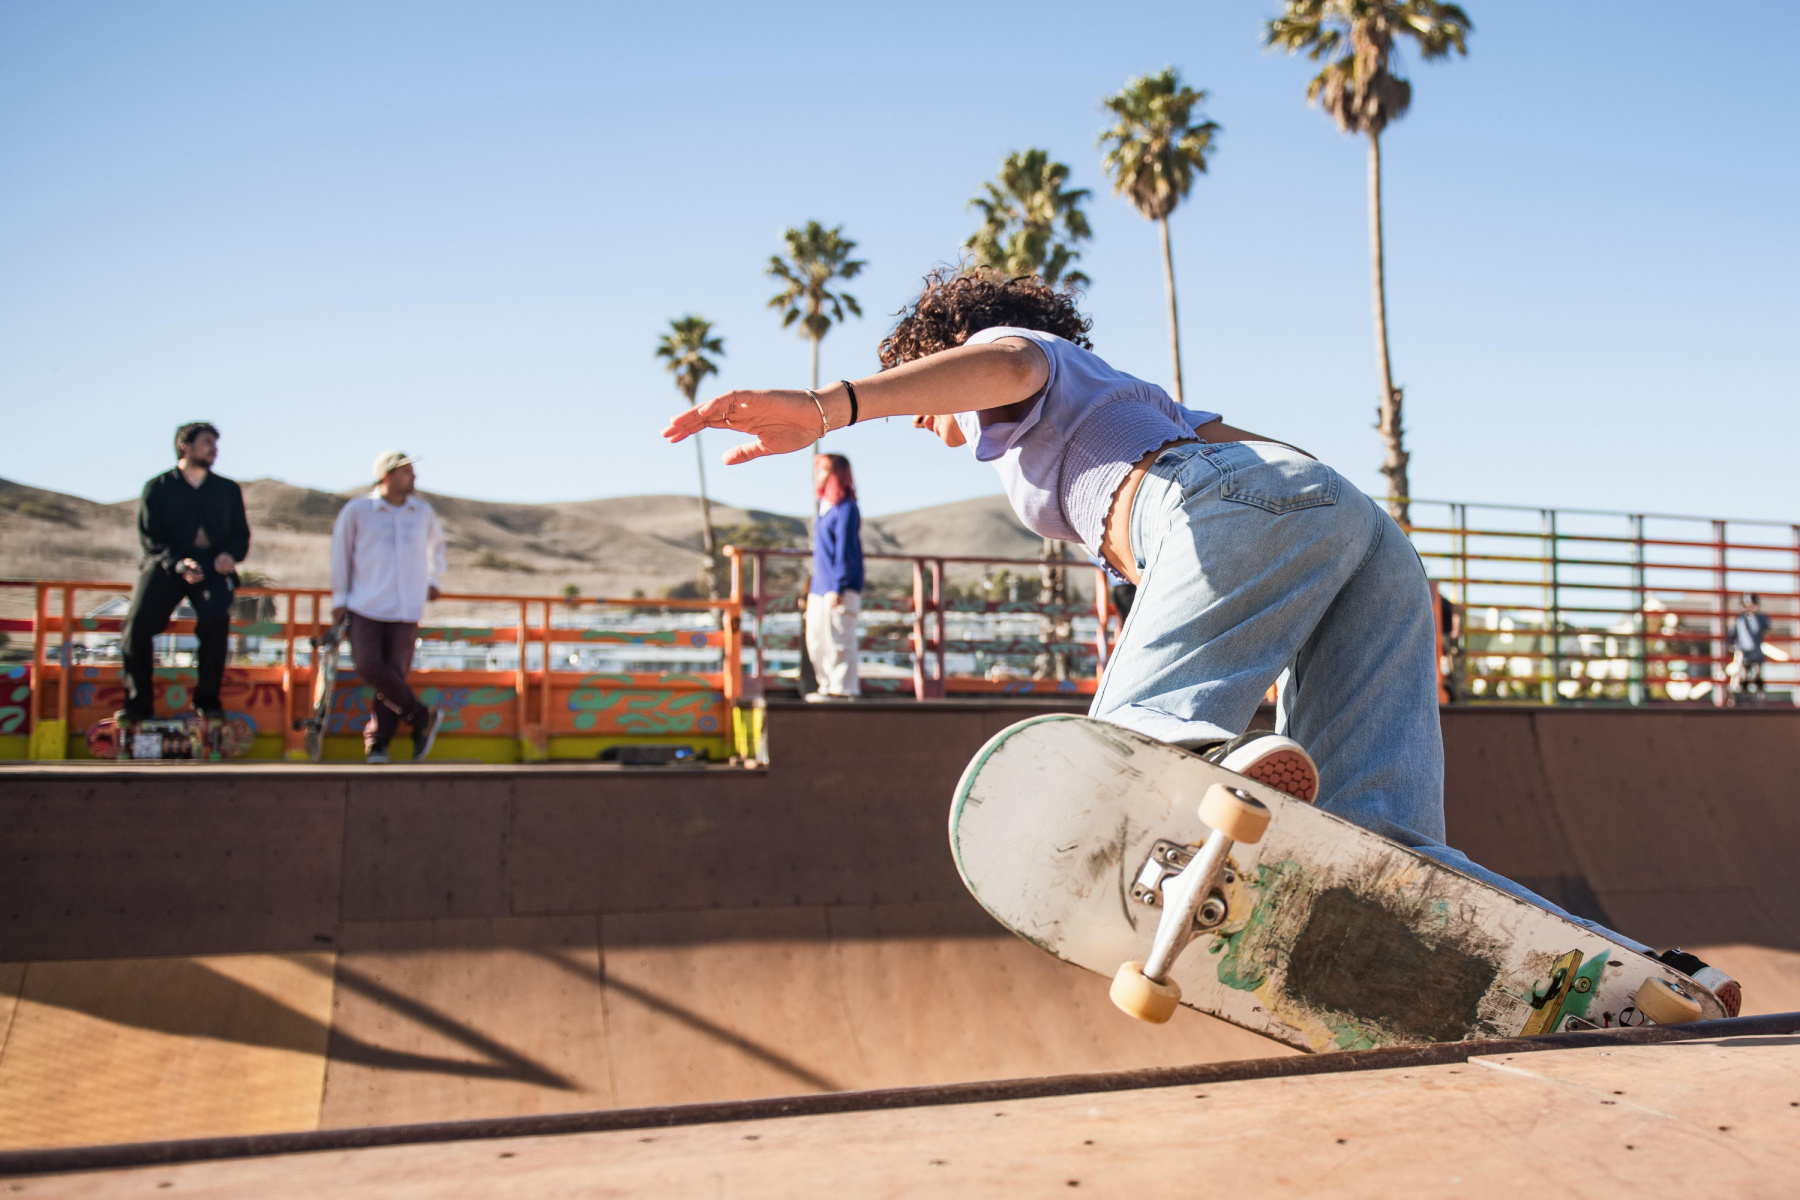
[1539, 605]
[304, 613]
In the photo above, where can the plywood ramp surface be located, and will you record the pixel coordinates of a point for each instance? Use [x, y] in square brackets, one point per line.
[143, 1049]
[442, 1020]
[1714, 1118]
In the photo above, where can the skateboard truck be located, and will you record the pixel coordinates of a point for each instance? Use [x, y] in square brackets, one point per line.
[1188, 898]
[1167, 860]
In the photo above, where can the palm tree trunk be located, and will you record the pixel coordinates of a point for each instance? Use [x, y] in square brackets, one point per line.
[1393, 463]
[706, 526]
[1174, 325]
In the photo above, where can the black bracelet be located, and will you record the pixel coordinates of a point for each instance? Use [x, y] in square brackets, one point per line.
[851, 388]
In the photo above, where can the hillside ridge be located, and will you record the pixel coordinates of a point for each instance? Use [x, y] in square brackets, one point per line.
[616, 546]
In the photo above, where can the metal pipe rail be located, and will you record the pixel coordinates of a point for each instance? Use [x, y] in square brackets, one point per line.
[929, 607]
[1613, 607]
[305, 613]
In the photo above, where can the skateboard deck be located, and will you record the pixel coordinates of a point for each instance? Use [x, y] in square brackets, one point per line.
[1323, 935]
[187, 736]
[325, 664]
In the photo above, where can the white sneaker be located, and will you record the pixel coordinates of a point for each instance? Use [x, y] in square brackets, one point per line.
[378, 755]
[1269, 758]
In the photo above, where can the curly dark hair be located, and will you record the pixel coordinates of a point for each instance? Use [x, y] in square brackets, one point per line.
[956, 305]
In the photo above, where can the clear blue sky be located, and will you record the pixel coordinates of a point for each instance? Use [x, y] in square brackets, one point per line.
[457, 229]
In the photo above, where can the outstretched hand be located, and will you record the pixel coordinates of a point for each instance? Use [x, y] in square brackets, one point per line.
[780, 421]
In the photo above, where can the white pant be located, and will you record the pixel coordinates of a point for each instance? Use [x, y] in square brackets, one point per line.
[831, 642]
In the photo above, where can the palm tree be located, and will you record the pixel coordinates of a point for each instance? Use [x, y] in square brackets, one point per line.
[686, 345]
[1020, 212]
[1358, 42]
[816, 257]
[1156, 151]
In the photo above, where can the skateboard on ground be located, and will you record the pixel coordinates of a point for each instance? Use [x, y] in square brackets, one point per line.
[325, 664]
[1191, 884]
[189, 736]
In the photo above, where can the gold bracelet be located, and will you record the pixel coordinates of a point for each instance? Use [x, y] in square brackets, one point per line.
[824, 425]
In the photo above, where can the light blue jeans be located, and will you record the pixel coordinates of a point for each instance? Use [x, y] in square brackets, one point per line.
[1257, 565]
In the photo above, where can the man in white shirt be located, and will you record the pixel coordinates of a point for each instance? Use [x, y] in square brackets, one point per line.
[387, 556]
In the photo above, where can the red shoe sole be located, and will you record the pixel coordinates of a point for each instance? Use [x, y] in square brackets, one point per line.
[1287, 771]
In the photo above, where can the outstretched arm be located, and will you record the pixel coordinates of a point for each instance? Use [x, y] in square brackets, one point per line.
[967, 379]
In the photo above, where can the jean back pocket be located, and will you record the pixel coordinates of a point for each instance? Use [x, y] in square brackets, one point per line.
[1283, 483]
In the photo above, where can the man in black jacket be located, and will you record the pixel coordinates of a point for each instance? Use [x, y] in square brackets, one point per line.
[192, 526]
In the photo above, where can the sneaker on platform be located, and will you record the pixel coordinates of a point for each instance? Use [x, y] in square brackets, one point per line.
[425, 738]
[1727, 989]
[377, 754]
[1268, 757]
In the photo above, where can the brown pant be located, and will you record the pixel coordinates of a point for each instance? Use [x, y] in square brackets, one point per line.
[383, 653]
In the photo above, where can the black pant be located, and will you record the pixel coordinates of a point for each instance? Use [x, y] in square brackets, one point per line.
[383, 651]
[153, 600]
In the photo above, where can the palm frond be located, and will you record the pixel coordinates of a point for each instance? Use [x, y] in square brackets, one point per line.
[1031, 219]
[1157, 146]
[1358, 40]
[816, 257]
[689, 340]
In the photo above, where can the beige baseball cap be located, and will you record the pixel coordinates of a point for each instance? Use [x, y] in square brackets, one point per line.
[389, 459]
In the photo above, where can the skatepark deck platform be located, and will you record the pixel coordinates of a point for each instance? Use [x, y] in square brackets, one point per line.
[237, 949]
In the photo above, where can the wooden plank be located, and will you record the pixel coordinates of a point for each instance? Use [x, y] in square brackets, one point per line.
[452, 1019]
[152, 863]
[127, 1050]
[12, 978]
[422, 846]
[1540, 1125]
[940, 993]
[725, 1004]
[1497, 802]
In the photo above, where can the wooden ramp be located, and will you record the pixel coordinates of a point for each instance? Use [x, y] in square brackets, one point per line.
[1661, 1110]
[197, 952]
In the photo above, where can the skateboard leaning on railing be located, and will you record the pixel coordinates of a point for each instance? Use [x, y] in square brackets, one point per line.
[1190, 884]
[324, 686]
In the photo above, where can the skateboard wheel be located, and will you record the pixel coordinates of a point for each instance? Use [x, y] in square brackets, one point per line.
[1139, 996]
[1665, 1003]
[1238, 815]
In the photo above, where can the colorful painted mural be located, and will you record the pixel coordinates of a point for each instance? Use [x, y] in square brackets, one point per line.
[15, 698]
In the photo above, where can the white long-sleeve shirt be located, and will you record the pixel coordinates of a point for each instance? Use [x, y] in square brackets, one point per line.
[384, 557]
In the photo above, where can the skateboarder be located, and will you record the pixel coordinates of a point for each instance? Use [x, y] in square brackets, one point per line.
[835, 595]
[1254, 562]
[192, 527]
[387, 556]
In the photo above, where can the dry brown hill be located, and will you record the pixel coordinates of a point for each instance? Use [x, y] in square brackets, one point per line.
[613, 547]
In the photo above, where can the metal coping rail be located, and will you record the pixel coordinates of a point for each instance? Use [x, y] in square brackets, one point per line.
[147, 1154]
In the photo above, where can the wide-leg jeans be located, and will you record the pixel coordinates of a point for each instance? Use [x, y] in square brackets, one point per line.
[1261, 565]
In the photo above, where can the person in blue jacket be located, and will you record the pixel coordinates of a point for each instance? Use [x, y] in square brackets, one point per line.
[837, 581]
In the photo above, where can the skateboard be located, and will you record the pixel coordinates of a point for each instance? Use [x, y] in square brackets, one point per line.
[188, 736]
[325, 664]
[1191, 884]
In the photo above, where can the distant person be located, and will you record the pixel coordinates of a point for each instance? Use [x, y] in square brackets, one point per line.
[835, 598]
[192, 526]
[1253, 560]
[387, 558]
[1747, 652]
